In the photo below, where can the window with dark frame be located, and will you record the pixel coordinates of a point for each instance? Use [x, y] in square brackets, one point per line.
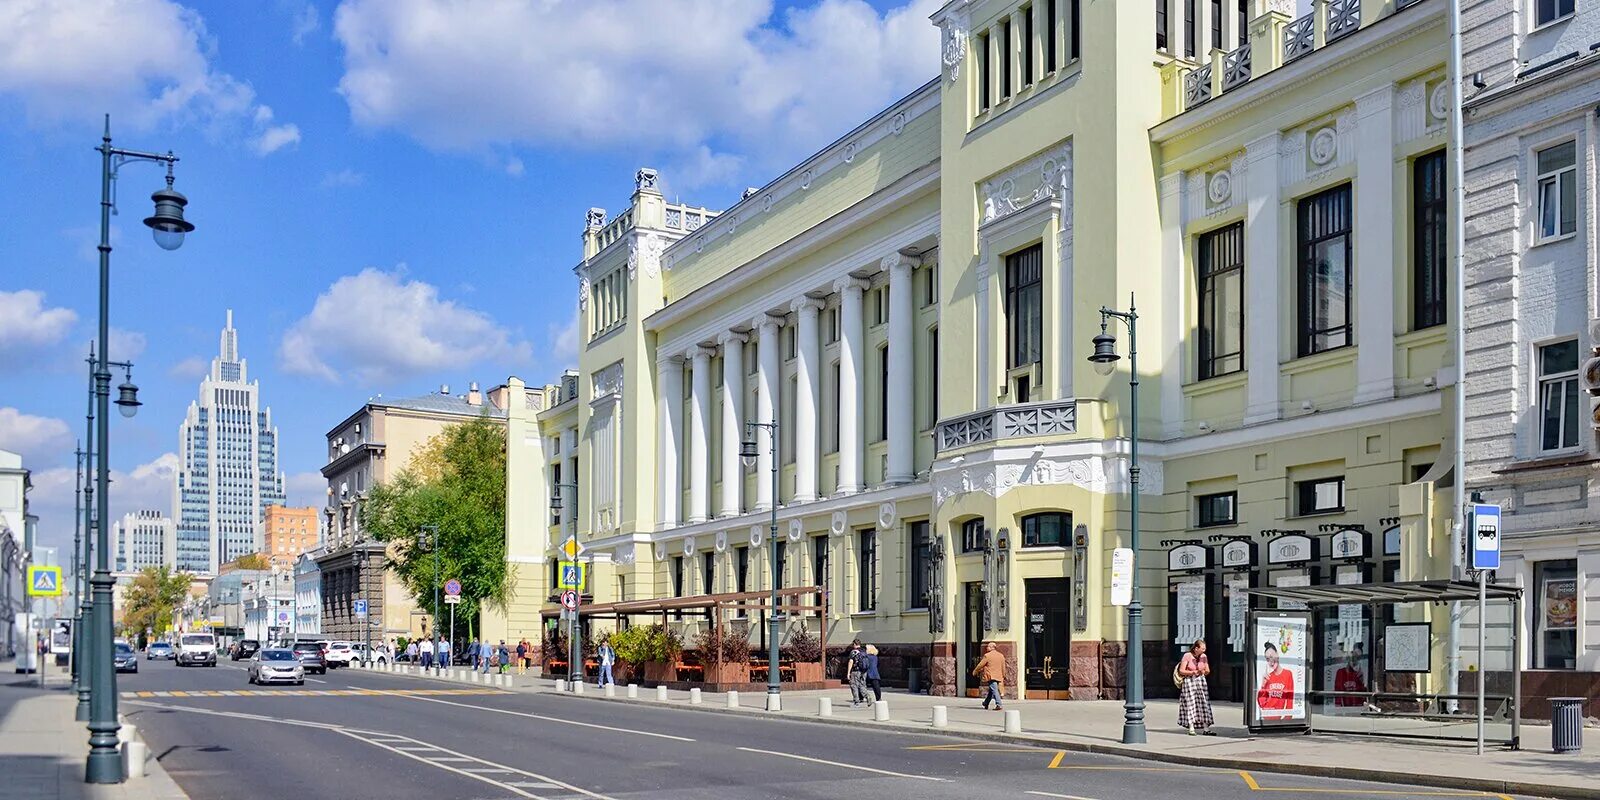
[1558, 395]
[1050, 24]
[741, 569]
[709, 571]
[783, 562]
[1024, 312]
[1429, 243]
[1217, 509]
[933, 372]
[983, 72]
[833, 407]
[677, 576]
[1161, 24]
[1190, 28]
[973, 537]
[1074, 39]
[918, 565]
[1047, 529]
[1221, 298]
[1244, 22]
[1027, 45]
[1556, 613]
[819, 568]
[1548, 11]
[867, 570]
[1216, 23]
[1557, 191]
[1005, 59]
[1324, 271]
[1319, 496]
[883, 393]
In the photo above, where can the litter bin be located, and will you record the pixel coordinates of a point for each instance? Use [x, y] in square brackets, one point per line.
[914, 680]
[1566, 724]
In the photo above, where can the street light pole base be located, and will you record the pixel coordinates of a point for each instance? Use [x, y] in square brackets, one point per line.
[1133, 733]
[105, 761]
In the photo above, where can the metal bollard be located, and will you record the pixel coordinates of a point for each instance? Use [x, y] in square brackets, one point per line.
[880, 711]
[577, 687]
[561, 684]
[733, 699]
[941, 716]
[633, 690]
[133, 758]
[694, 696]
[661, 694]
[1013, 721]
[824, 706]
[611, 690]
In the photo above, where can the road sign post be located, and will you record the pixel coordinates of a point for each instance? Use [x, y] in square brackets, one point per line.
[572, 579]
[1485, 557]
[44, 581]
[452, 596]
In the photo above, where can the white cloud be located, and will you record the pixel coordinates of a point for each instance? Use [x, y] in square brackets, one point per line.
[144, 61]
[126, 345]
[306, 23]
[564, 344]
[272, 138]
[306, 489]
[39, 440]
[28, 326]
[377, 326]
[671, 76]
[342, 179]
[192, 367]
[146, 486]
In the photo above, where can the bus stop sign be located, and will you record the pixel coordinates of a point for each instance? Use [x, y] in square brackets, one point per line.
[1485, 536]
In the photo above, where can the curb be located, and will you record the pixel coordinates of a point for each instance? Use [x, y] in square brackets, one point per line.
[1490, 786]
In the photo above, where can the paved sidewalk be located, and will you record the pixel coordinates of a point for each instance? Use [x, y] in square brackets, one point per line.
[42, 748]
[1097, 726]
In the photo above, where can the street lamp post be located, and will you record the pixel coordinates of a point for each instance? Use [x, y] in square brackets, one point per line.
[1105, 359]
[573, 646]
[428, 539]
[104, 764]
[747, 453]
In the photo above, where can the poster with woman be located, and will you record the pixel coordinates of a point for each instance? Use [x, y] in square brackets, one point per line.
[1279, 673]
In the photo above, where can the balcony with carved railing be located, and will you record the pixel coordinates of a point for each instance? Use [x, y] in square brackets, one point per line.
[1003, 423]
[614, 229]
[686, 219]
[1275, 39]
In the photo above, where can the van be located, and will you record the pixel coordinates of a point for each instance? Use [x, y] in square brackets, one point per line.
[197, 648]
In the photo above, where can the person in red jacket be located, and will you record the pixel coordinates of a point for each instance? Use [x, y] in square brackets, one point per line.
[1348, 678]
[1277, 688]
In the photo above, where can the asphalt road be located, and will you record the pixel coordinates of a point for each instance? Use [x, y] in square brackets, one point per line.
[359, 735]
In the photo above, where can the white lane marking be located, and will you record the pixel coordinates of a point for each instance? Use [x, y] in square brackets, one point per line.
[464, 771]
[315, 680]
[548, 719]
[844, 765]
[1063, 796]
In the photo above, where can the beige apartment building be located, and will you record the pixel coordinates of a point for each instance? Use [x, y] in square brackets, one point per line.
[287, 532]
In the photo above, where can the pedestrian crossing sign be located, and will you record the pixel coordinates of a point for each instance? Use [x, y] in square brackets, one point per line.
[44, 581]
[572, 575]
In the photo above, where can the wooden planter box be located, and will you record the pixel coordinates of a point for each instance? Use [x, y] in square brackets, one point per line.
[659, 671]
[622, 672]
[727, 673]
[808, 672]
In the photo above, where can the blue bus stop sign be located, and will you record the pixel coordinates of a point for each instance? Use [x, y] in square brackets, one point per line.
[1485, 536]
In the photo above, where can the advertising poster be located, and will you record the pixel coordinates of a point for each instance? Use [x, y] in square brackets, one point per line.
[1561, 604]
[1279, 675]
[1191, 612]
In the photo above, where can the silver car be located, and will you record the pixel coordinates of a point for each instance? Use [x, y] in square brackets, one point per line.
[276, 665]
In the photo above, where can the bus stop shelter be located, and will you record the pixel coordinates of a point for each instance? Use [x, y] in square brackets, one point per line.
[1389, 712]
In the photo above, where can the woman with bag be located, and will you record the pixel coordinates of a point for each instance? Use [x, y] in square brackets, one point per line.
[1194, 697]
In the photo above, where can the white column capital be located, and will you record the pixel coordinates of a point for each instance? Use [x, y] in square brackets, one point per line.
[700, 351]
[767, 321]
[851, 282]
[1376, 101]
[808, 303]
[730, 337]
[899, 261]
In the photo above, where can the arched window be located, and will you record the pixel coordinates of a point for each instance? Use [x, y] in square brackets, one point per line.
[1047, 529]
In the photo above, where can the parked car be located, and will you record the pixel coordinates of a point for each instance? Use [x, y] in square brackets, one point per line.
[244, 649]
[125, 657]
[161, 650]
[339, 654]
[197, 648]
[376, 655]
[310, 657]
[276, 664]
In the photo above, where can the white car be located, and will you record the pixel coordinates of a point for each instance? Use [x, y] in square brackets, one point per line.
[274, 664]
[340, 654]
[197, 648]
[376, 655]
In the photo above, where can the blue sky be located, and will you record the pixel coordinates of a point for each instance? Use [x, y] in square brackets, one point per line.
[389, 193]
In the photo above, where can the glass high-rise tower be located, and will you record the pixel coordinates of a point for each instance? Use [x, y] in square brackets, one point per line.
[228, 472]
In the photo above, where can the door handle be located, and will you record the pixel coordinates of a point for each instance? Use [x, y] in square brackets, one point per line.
[1048, 671]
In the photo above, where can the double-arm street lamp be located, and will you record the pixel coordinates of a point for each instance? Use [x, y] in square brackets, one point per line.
[573, 645]
[1105, 360]
[748, 454]
[168, 226]
[128, 404]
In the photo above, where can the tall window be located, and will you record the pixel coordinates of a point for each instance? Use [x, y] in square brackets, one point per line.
[1320, 496]
[1049, 529]
[1558, 395]
[1161, 24]
[783, 562]
[1558, 191]
[709, 570]
[833, 405]
[1074, 14]
[1217, 509]
[1216, 23]
[933, 375]
[1324, 285]
[819, 567]
[1222, 301]
[1244, 22]
[973, 538]
[983, 72]
[677, 576]
[883, 392]
[1005, 59]
[919, 563]
[1429, 229]
[1024, 313]
[741, 569]
[1547, 11]
[867, 570]
[1190, 28]
[1027, 45]
[1050, 21]
[1556, 613]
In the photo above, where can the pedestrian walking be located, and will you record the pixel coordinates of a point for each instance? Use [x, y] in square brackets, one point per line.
[426, 650]
[856, 673]
[990, 671]
[1194, 697]
[874, 679]
[444, 653]
[522, 655]
[411, 651]
[607, 658]
[505, 656]
[473, 649]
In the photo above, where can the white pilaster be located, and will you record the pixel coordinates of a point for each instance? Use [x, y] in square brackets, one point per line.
[852, 458]
[732, 422]
[767, 383]
[1373, 304]
[700, 434]
[669, 407]
[1174, 356]
[807, 391]
[902, 409]
[1261, 278]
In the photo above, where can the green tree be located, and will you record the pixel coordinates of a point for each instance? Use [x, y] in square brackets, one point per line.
[255, 561]
[152, 598]
[457, 481]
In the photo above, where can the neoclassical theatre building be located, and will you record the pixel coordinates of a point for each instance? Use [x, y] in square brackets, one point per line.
[914, 307]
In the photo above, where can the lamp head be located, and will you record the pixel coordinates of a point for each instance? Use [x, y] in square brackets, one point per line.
[167, 224]
[1105, 356]
[555, 502]
[747, 452]
[128, 399]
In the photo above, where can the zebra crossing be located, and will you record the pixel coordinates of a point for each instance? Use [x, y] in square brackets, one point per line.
[300, 692]
[516, 781]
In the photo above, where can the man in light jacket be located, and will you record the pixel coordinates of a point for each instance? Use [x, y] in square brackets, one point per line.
[607, 657]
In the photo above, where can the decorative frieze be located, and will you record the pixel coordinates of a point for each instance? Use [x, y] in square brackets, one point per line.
[1098, 474]
[645, 252]
[1312, 150]
[1048, 174]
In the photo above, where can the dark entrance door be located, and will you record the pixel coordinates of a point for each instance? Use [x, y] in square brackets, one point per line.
[1049, 639]
[972, 633]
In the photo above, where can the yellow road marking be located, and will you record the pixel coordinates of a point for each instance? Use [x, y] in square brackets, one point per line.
[1056, 762]
[1251, 782]
[147, 694]
[180, 694]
